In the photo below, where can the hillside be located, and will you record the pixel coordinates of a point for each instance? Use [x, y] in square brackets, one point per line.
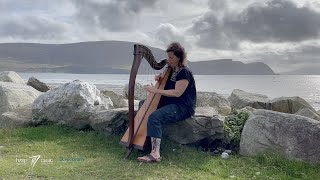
[229, 67]
[103, 57]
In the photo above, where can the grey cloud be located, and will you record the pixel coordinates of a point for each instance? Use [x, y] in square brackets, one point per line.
[217, 5]
[167, 33]
[277, 21]
[31, 27]
[113, 15]
[274, 21]
[211, 33]
[303, 56]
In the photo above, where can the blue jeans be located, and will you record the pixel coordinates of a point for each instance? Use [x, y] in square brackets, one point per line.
[167, 114]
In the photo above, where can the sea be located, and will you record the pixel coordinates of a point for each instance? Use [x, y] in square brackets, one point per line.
[273, 86]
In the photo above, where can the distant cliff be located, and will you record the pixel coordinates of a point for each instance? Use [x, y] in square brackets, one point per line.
[104, 57]
[230, 67]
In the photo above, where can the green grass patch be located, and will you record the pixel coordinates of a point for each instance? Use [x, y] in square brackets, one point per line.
[66, 153]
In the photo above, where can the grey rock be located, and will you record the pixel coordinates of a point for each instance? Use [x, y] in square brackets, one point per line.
[293, 136]
[112, 121]
[38, 85]
[11, 76]
[290, 105]
[240, 99]
[308, 113]
[15, 102]
[212, 99]
[71, 104]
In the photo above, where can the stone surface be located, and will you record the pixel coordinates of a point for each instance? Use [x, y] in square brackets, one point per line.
[293, 136]
[71, 104]
[11, 76]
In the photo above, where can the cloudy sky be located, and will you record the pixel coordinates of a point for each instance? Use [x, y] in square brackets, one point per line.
[285, 34]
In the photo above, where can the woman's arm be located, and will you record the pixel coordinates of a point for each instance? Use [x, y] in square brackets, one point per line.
[179, 89]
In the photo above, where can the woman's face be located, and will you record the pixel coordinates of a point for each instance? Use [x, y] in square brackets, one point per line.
[173, 60]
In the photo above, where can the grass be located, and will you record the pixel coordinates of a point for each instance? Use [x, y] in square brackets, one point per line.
[70, 154]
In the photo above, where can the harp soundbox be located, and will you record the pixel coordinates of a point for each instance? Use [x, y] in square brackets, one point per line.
[135, 136]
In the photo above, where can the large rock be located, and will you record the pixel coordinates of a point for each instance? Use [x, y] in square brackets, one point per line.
[112, 121]
[212, 99]
[308, 113]
[240, 99]
[118, 101]
[71, 104]
[293, 136]
[139, 92]
[205, 125]
[289, 105]
[15, 100]
[11, 76]
[19, 117]
[38, 85]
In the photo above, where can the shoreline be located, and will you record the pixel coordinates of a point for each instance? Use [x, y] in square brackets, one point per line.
[119, 90]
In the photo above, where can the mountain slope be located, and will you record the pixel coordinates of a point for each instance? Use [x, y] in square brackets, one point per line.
[101, 57]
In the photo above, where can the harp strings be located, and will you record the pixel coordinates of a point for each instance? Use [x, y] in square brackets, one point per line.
[145, 76]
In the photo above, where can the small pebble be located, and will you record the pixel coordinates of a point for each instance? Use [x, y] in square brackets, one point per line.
[224, 155]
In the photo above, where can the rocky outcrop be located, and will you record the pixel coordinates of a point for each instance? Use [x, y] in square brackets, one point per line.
[240, 99]
[118, 101]
[308, 113]
[293, 136]
[290, 105]
[38, 85]
[204, 125]
[15, 102]
[212, 99]
[112, 121]
[11, 76]
[71, 104]
[139, 91]
[19, 117]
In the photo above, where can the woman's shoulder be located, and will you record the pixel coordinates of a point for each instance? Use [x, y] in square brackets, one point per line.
[186, 69]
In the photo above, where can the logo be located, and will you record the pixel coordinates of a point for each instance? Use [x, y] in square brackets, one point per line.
[34, 160]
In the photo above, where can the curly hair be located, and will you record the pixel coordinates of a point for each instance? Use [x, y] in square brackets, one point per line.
[178, 51]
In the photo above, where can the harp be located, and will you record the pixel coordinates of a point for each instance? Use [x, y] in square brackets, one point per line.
[135, 136]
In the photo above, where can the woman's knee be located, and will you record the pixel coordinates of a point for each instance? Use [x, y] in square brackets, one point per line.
[153, 119]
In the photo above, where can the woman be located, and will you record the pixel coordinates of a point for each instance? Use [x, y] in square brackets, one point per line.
[178, 100]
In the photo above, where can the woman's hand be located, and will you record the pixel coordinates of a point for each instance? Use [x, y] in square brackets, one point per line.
[157, 77]
[150, 88]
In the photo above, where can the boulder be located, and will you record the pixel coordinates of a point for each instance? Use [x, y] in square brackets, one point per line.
[71, 104]
[11, 76]
[118, 101]
[240, 99]
[20, 117]
[212, 99]
[15, 101]
[246, 109]
[38, 85]
[308, 113]
[112, 121]
[293, 136]
[206, 124]
[289, 105]
[139, 91]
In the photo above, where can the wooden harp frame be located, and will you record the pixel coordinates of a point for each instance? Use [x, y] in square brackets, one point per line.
[136, 134]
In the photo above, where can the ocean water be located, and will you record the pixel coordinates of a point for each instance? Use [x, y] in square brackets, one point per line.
[304, 86]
